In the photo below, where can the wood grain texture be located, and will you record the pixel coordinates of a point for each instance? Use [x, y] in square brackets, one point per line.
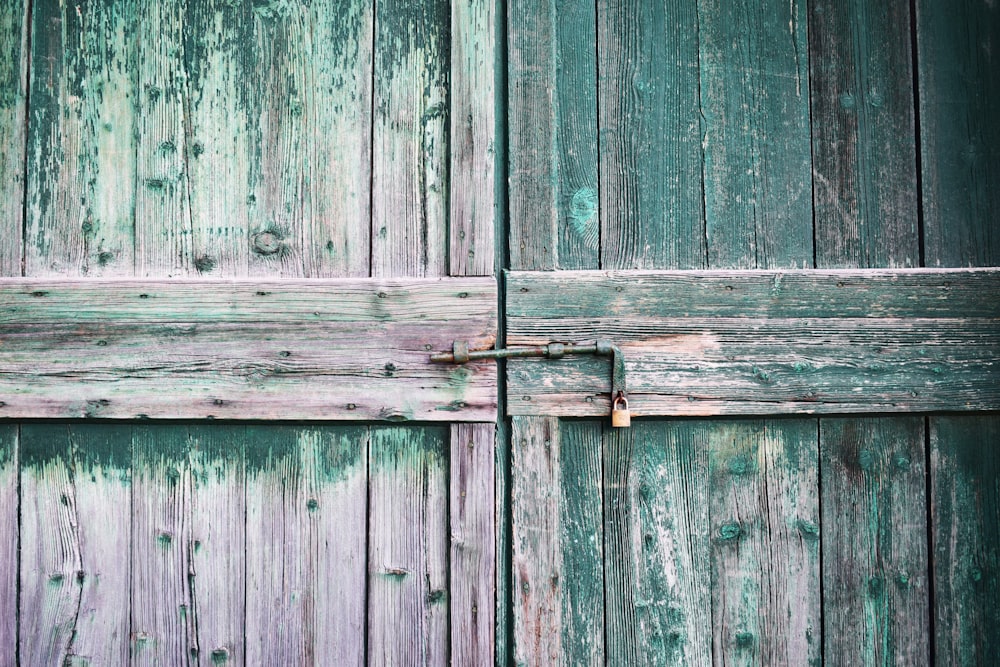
[765, 535]
[81, 163]
[754, 94]
[9, 536]
[280, 350]
[306, 500]
[649, 119]
[74, 567]
[863, 134]
[472, 139]
[875, 579]
[472, 556]
[958, 53]
[411, 155]
[966, 533]
[13, 112]
[408, 546]
[657, 574]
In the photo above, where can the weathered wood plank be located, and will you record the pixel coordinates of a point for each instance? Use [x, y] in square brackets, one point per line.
[965, 510]
[863, 134]
[306, 500]
[411, 153]
[649, 117]
[75, 544]
[765, 533]
[503, 539]
[280, 350]
[473, 549]
[13, 110]
[408, 546]
[81, 165]
[472, 139]
[9, 537]
[875, 580]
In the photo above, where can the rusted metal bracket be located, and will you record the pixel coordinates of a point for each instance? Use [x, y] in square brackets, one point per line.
[620, 415]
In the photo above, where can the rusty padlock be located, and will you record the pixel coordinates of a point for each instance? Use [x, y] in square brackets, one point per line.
[620, 416]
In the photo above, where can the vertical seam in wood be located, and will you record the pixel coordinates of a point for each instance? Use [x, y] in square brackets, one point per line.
[929, 523]
[819, 515]
[915, 74]
[26, 30]
[701, 135]
[16, 461]
[597, 103]
[371, 197]
[812, 152]
[246, 551]
[368, 523]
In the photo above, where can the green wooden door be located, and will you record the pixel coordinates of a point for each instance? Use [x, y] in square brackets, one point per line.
[833, 514]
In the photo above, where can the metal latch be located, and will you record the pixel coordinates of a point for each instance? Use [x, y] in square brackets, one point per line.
[620, 416]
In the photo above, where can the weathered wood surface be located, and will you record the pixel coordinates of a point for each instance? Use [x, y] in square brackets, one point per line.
[9, 533]
[774, 343]
[266, 350]
[13, 110]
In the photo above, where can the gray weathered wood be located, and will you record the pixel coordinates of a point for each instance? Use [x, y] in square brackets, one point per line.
[306, 498]
[9, 536]
[74, 570]
[472, 556]
[408, 546]
[472, 139]
[875, 579]
[351, 349]
[773, 343]
[13, 109]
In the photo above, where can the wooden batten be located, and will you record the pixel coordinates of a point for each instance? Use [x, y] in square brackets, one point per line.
[348, 349]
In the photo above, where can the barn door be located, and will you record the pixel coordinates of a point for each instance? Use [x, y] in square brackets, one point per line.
[265, 214]
[798, 485]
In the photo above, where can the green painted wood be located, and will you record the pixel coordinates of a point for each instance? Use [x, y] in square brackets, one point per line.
[80, 162]
[411, 140]
[75, 544]
[306, 501]
[557, 557]
[863, 134]
[957, 57]
[408, 588]
[875, 577]
[965, 499]
[754, 98]
[649, 118]
[765, 537]
[9, 535]
[13, 110]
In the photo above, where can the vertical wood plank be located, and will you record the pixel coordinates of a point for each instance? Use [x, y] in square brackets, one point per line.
[765, 538]
[408, 546]
[306, 510]
[411, 156]
[9, 537]
[657, 555]
[863, 134]
[472, 138]
[958, 56]
[13, 110]
[754, 74]
[74, 571]
[875, 581]
[81, 158]
[472, 555]
[651, 191]
[965, 507]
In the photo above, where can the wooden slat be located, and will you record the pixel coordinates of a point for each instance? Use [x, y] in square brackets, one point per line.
[282, 350]
[473, 138]
[772, 360]
[306, 498]
[649, 118]
[875, 583]
[81, 166]
[9, 536]
[13, 109]
[410, 126]
[408, 546]
[765, 532]
[74, 581]
[473, 554]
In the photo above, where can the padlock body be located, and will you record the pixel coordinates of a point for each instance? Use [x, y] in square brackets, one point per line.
[621, 418]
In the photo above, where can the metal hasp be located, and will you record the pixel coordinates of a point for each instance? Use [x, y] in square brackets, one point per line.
[620, 416]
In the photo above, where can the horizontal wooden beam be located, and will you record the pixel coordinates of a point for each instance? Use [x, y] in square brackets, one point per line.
[705, 343]
[353, 349]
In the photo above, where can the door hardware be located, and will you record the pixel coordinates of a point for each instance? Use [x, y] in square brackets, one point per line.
[620, 416]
